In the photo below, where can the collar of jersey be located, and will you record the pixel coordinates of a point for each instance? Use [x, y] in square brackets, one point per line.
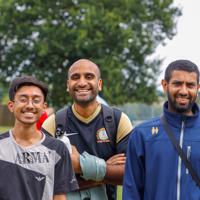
[89, 119]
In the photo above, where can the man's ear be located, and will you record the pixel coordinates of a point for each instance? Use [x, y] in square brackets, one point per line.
[44, 107]
[67, 85]
[11, 106]
[198, 89]
[164, 85]
[100, 84]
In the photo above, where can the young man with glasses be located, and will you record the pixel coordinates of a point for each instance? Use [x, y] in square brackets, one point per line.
[32, 165]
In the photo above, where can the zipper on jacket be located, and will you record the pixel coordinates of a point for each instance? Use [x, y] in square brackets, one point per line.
[188, 156]
[179, 162]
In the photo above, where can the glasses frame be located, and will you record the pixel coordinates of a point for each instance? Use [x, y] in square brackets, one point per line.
[28, 100]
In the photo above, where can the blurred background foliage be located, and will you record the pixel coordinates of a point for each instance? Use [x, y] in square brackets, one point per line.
[43, 39]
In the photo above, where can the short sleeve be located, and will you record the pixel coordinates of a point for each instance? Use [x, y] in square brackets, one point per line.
[49, 125]
[123, 133]
[124, 127]
[65, 179]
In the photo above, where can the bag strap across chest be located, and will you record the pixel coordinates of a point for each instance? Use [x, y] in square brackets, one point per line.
[61, 119]
[179, 150]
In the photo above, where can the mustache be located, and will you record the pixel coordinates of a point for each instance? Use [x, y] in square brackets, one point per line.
[29, 110]
[181, 95]
[82, 87]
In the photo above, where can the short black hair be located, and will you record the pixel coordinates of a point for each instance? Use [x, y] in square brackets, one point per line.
[26, 80]
[184, 65]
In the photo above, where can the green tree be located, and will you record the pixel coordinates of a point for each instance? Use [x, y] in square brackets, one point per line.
[3, 93]
[43, 38]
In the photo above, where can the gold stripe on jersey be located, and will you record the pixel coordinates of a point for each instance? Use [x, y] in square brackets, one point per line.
[124, 127]
[50, 125]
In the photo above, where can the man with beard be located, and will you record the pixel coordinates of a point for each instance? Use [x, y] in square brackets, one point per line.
[94, 160]
[154, 169]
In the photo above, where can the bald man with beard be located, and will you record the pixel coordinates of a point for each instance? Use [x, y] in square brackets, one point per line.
[96, 164]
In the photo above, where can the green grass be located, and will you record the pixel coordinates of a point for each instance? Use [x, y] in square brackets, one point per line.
[4, 128]
[119, 192]
[119, 188]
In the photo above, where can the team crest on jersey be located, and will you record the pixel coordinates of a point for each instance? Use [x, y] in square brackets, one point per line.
[102, 136]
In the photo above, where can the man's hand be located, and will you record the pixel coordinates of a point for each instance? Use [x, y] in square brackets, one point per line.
[118, 159]
[75, 157]
[115, 169]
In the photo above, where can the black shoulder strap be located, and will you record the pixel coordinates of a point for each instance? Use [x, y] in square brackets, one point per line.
[109, 123]
[108, 119]
[179, 150]
[61, 120]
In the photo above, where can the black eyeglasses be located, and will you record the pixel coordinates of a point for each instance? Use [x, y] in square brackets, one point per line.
[36, 101]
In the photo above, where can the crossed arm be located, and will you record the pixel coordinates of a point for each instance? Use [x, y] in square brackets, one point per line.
[114, 170]
[60, 197]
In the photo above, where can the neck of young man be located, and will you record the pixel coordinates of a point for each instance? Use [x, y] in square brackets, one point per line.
[26, 134]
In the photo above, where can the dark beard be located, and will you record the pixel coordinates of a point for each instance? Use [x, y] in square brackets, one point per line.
[178, 108]
[85, 102]
[80, 101]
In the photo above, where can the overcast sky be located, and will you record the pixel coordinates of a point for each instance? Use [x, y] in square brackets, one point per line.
[186, 44]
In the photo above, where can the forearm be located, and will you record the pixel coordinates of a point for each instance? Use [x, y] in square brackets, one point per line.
[96, 169]
[77, 167]
[93, 168]
[60, 197]
[114, 174]
[75, 157]
[83, 184]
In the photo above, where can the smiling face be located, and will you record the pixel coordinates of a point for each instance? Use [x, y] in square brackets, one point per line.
[182, 91]
[84, 82]
[28, 112]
